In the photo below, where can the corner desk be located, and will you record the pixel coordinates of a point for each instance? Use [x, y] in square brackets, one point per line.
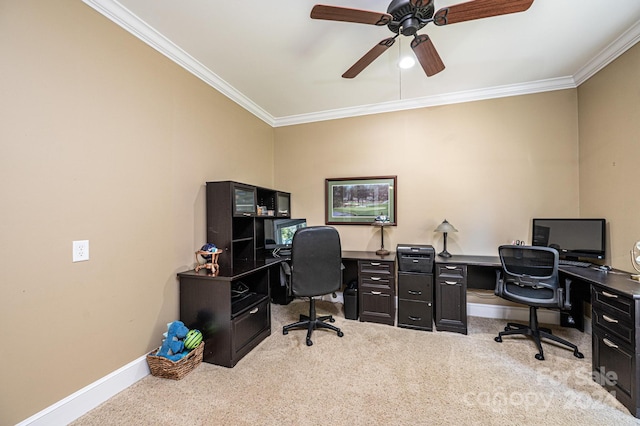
[615, 314]
[233, 326]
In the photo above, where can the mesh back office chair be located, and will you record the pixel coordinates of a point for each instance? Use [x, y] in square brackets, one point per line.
[316, 270]
[530, 276]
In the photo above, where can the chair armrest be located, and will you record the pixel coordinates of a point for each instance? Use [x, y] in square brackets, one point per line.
[499, 283]
[565, 294]
[285, 274]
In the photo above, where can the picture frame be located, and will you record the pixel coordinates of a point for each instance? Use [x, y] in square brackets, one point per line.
[359, 200]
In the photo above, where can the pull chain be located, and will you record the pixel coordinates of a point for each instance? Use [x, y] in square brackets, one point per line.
[399, 69]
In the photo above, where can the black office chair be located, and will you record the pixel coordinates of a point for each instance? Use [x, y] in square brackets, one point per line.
[316, 262]
[530, 276]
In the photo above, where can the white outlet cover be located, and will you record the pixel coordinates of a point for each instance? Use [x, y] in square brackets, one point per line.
[80, 251]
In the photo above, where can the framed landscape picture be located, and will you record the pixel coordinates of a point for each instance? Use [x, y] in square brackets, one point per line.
[358, 201]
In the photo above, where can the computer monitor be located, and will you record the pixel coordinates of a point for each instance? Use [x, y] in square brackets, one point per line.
[278, 233]
[573, 238]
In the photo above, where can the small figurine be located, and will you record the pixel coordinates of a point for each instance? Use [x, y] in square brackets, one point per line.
[209, 252]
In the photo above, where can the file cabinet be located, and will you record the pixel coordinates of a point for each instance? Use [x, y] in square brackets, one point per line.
[376, 291]
[615, 351]
[415, 300]
[451, 298]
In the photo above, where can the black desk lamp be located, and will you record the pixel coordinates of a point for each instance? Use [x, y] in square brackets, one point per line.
[445, 227]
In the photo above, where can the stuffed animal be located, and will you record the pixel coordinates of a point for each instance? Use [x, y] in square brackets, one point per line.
[173, 345]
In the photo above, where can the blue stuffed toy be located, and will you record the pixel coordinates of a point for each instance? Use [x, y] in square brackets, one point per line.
[173, 345]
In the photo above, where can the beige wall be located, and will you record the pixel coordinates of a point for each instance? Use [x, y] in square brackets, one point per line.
[487, 167]
[102, 138]
[609, 115]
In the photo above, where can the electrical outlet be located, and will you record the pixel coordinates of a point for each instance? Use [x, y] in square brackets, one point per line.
[80, 250]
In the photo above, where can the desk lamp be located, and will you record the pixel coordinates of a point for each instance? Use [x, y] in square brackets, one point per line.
[381, 221]
[445, 227]
[635, 260]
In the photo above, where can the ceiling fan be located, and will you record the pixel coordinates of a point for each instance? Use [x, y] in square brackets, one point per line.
[407, 17]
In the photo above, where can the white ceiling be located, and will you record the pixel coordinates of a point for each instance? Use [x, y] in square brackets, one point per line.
[284, 67]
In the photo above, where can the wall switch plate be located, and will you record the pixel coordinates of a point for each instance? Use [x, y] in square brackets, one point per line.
[80, 250]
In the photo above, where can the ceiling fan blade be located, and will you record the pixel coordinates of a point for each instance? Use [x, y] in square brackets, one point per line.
[478, 9]
[369, 57]
[344, 14]
[427, 55]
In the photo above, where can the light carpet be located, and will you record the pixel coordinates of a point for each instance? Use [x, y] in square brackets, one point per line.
[377, 375]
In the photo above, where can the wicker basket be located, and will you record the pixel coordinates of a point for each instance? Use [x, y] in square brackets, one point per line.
[176, 370]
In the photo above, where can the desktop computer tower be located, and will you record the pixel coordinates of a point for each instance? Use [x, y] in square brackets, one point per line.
[350, 296]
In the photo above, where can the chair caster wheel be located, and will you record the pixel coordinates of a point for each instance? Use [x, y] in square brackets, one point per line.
[309, 342]
[332, 319]
[340, 334]
[498, 339]
[540, 357]
[578, 354]
[285, 332]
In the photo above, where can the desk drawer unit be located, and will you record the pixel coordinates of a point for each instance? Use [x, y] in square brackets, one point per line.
[247, 326]
[615, 353]
[376, 291]
[415, 300]
[231, 329]
[451, 298]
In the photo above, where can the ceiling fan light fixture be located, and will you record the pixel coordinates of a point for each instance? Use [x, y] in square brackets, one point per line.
[407, 17]
[410, 26]
[406, 62]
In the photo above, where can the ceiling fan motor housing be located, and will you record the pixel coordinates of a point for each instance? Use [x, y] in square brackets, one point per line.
[409, 18]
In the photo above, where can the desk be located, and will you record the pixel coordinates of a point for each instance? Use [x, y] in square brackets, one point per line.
[231, 326]
[615, 319]
[453, 276]
[615, 313]
[375, 275]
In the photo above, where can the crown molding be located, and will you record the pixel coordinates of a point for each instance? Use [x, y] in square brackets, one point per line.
[123, 17]
[609, 54]
[430, 101]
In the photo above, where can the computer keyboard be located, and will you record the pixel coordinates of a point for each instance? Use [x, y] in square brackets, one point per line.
[564, 262]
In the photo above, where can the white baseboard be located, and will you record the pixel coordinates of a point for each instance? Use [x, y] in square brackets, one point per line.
[517, 313]
[70, 408]
[338, 299]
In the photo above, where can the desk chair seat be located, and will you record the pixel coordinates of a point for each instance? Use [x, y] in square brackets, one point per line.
[529, 276]
[316, 270]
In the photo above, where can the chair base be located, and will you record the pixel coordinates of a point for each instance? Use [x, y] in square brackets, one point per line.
[536, 333]
[312, 322]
